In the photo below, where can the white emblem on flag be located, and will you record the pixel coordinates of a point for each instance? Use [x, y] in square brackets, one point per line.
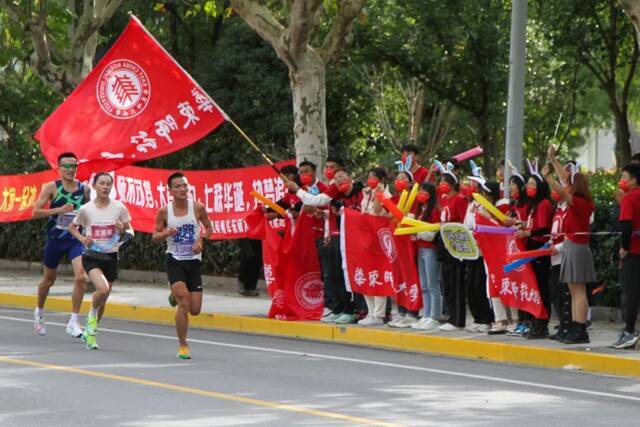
[123, 89]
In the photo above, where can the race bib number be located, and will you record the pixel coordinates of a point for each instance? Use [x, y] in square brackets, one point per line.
[64, 220]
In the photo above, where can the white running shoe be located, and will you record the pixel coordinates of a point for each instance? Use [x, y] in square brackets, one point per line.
[40, 327]
[329, 318]
[430, 325]
[396, 320]
[370, 321]
[483, 328]
[406, 322]
[473, 327]
[74, 330]
[448, 327]
[419, 323]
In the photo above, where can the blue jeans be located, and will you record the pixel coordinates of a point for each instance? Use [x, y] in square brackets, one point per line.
[429, 269]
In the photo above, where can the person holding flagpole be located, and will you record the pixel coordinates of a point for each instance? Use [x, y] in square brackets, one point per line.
[178, 223]
[65, 197]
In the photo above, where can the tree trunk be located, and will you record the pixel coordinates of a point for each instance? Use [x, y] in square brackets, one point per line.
[632, 9]
[308, 87]
[623, 139]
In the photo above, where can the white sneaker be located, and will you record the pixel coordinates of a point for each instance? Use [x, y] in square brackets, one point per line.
[370, 321]
[419, 324]
[329, 318]
[74, 330]
[396, 321]
[406, 322]
[430, 325]
[448, 327]
[473, 327]
[483, 328]
[40, 327]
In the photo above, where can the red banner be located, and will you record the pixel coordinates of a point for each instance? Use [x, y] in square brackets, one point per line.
[518, 288]
[368, 254]
[224, 192]
[18, 193]
[408, 291]
[136, 104]
[298, 292]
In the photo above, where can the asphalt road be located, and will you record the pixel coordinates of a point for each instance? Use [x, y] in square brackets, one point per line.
[235, 379]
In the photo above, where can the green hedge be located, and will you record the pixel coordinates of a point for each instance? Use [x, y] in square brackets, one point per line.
[25, 241]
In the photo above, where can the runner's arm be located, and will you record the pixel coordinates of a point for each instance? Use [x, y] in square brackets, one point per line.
[203, 217]
[161, 232]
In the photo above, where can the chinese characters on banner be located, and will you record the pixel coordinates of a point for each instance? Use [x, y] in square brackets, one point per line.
[18, 193]
[136, 104]
[225, 194]
[518, 288]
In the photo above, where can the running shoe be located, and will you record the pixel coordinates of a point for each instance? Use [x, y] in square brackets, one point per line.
[448, 327]
[345, 318]
[40, 327]
[329, 318]
[371, 321]
[74, 330]
[183, 352]
[172, 300]
[625, 340]
[92, 324]
[89, 340]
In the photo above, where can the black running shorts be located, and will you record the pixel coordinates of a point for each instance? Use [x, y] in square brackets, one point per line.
[187, 271]
[107, 263]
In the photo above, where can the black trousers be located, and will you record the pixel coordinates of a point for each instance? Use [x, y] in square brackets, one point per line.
[323, 256]
[454, 290]
[630, 277]
[541, 268]
[560, 296]
[476, 283]
[335, 285]
[250, 263]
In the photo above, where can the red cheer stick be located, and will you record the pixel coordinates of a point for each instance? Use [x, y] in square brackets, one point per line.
[466, 155]
[529, 254]
[390, 206]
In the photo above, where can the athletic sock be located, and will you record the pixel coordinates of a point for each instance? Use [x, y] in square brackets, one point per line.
[38, 313]
[74, 318]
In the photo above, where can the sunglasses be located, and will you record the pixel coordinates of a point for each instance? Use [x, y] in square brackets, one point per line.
[69, 166]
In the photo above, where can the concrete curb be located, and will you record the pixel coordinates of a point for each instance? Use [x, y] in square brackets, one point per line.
[353, 335]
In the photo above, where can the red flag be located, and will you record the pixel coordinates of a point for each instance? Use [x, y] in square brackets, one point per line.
[299, 291]
[368, 254]
[518, 288]
[136, 104]
[408, 291]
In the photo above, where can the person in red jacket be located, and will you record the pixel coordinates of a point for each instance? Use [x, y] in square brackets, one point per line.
[454, 209]
[576, 267]
[535, 231]
[630, 252]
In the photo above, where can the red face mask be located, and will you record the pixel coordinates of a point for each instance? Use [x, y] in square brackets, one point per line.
[623, 184]
[555, 195]
[531, 192]
[344, 187]
[468, 190]
[306, 178]
[444, 188]
[373, 183]
[422, 197]
[401, 186]
[329, 173]
[515, 194]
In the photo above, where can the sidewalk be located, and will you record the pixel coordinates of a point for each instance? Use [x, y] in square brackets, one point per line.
[226, 310]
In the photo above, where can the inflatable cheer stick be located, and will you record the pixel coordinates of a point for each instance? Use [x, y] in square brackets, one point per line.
[413, 222]
[490, 229]
[403, 200]
[489, 207]
[417, 229]
[513, 265]
[466, 155]
[390, 206]
[276, 208]
[529, 254]
[412, 198]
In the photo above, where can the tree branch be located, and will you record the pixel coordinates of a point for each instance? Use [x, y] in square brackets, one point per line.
[261, 20]
[341, 30]
[630, 75]
[632, 9]
[301, 24]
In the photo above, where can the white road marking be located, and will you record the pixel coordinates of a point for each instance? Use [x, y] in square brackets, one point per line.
[362, 362]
